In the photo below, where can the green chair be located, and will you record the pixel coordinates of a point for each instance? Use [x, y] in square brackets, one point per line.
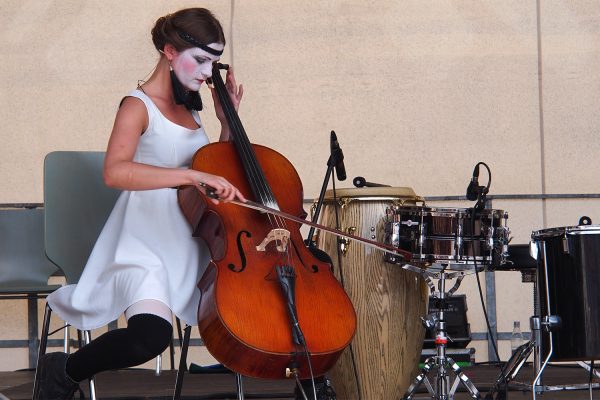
[24, 268]
[77, 204]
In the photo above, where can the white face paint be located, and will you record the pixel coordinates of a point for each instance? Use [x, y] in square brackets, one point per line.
[192, 66]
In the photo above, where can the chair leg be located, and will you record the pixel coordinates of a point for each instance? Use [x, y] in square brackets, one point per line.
[182, 363]
[43, 342]
[179, 335]
[240, 386]
[172, 354]
[79, 339]
[67, 340]
[45, 330]
[87, 335]
[32, 329]
[158, 368]
[172, 346]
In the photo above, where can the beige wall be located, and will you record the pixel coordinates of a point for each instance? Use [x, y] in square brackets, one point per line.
[418, 92]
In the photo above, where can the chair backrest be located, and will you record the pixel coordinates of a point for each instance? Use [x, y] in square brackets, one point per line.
[77, 204]
[23, 263]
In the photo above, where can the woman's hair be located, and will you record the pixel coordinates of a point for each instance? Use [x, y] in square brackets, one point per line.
[199, 23]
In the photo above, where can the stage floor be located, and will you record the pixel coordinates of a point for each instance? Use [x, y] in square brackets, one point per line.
[143, 384]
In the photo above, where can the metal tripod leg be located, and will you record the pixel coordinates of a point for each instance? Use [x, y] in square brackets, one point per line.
[441, 391]
[420, 379]
[463, 379]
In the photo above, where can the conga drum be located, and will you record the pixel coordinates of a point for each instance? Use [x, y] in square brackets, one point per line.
[383, 358]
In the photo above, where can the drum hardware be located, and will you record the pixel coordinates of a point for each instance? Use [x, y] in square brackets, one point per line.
[344, 243]
[550, 323]
[441, 388]
[589, 368]
[457, 328]
[510, 370]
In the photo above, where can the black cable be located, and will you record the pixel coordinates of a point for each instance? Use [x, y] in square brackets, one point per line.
[310, 369]
[487, 321]
[482, 191]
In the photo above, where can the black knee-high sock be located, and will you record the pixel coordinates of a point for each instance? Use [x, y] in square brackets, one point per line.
[145, 337]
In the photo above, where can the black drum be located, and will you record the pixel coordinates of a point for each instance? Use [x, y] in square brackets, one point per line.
[569, 266]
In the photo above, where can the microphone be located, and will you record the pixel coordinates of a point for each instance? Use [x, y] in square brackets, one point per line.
[338, 158]
[473, 188]
[287, 280]
[359, 182]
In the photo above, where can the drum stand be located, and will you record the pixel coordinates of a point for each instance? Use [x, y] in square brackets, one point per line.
[441, 389]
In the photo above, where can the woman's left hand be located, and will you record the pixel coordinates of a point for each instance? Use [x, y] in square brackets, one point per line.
[235, 94]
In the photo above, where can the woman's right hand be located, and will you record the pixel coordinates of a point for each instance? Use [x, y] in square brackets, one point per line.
[224, 189]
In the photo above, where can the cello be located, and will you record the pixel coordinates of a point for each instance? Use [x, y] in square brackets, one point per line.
[268, 306]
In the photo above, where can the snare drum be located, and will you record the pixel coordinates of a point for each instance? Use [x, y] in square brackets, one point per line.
[388, 300]
[569, 287]
[448, 236]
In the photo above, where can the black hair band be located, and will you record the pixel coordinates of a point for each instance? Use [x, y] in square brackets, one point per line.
[194, 42]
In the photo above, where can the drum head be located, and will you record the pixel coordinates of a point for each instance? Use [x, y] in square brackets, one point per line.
[376, 193]
[565, 230]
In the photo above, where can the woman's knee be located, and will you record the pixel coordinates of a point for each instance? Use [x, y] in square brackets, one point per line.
[154, 333]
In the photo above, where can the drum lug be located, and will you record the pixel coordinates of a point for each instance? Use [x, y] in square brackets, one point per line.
[551, 322]
[344, 201]
[344, 243]
[565, 244]
[533, 250]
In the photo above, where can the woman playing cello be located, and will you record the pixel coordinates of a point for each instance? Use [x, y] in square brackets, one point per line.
[145, 263]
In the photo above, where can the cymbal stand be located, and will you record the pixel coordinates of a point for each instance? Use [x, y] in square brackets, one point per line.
[441, 388]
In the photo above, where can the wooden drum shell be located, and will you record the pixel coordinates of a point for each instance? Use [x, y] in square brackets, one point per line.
[388, 300]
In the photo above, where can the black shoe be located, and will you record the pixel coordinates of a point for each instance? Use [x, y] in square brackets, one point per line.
[322, 384]
[51, 379]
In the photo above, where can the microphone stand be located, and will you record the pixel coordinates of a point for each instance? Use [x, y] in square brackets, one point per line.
[481, 198]
[333, 160]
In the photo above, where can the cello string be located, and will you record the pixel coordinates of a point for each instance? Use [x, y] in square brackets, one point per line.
[239, 136]
[256, 178]
[254, 172]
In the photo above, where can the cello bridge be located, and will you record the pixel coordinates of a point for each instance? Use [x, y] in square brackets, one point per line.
[281, 236]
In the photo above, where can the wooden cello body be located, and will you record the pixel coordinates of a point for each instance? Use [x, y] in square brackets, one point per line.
[244, 316]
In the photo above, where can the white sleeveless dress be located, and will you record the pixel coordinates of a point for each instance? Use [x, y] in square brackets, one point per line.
[146, 250]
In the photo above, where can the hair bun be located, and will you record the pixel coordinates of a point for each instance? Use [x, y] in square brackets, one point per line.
[198, 23]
